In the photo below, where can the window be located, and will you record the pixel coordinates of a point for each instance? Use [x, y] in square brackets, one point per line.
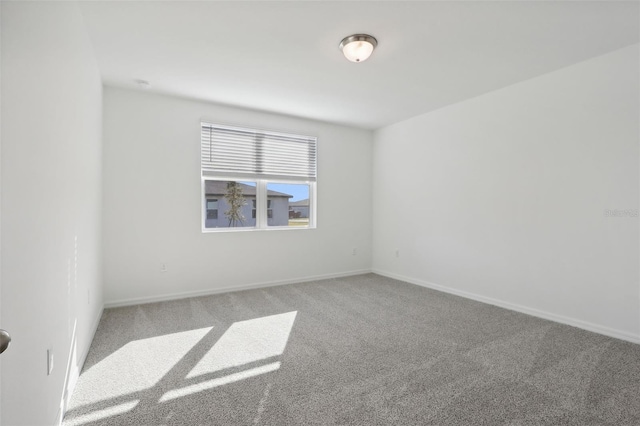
[269, 209]
[212, 209]
[228, 204]
[257, 179]
[298, 202]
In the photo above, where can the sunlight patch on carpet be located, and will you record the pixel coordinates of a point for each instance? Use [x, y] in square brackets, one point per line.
[139, 365]
[102, 414]
[246, 342]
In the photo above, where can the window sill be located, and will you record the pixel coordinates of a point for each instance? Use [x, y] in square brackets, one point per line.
[248, 229]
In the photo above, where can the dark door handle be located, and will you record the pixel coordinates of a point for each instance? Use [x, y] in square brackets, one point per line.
[5, 339]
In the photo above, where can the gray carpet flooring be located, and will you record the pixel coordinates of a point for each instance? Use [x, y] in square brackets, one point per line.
[363, 350]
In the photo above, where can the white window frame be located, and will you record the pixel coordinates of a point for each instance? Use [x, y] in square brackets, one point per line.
[261, 199]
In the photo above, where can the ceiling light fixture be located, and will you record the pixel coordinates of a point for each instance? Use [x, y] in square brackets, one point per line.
[358, 47]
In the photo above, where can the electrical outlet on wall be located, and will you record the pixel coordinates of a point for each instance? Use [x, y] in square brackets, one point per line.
[163, 267]
[354, 251]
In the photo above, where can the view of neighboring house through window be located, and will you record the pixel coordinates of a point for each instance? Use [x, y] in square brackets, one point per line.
[257, 179]
[298, 206]
[232, 203]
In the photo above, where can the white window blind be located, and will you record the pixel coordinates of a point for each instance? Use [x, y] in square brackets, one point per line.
[247, 153]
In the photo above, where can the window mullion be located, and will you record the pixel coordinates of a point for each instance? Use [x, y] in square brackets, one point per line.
[261, 203]
[312, 205]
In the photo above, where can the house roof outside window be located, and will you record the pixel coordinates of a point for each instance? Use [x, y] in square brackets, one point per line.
[219, 188]
[300, 203]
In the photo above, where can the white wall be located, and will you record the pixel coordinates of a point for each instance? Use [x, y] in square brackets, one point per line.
[152, 207]
[51, 196]
[502, 197]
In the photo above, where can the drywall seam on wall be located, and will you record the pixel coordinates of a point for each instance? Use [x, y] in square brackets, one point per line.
[618, 334]
[188, 294]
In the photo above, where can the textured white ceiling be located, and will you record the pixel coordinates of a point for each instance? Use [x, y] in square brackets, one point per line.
[283, 56]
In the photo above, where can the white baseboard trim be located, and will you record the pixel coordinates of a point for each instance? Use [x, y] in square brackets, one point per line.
[70, 382]
[197, 293]
[622, 335]
[94, 329]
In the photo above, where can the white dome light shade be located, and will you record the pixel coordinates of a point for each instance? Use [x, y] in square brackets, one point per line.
[358, 47]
